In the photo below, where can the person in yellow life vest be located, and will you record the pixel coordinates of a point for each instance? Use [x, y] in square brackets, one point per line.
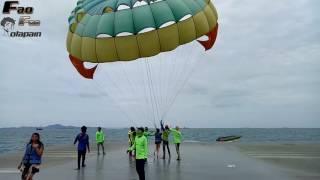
[177, 136]
[100, 140]
[131, 137]
[165, 139]
[140, 146]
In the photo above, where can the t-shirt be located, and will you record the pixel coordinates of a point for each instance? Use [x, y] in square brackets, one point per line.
[83, 141]
[141, 147]
[100, 136]
[177, 136]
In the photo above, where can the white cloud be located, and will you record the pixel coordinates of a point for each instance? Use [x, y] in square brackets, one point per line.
[263, 72]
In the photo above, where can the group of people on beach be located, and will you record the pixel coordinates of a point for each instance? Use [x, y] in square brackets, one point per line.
[83, 144]
[139, 142]
[138, 148]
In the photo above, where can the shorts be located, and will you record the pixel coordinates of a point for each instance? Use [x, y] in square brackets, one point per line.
[30, 170]
[157, 142]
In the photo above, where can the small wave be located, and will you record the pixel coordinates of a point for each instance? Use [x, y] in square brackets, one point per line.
[9, 171]
[191, 141]
[60, 137]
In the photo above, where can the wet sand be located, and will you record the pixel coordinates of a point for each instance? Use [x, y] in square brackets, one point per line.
[200, 161]
[301, 160]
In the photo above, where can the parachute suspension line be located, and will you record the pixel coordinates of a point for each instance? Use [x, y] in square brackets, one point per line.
[161, 74]
[181, 81]
[156, 80]
[133, 89]
[156, 84]
[148, 104]
[172, 64]
[179, 75]
[177, 68]
[113, 101]
[97, 84]
[193, 68]
[114, 84]
[152, 91]
[166, 77]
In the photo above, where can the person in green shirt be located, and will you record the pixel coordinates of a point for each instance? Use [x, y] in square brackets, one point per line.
[165, 139]
[100, 140]
[177, 136]
[140, 146]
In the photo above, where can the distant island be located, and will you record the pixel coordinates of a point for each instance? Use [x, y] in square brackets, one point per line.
[58, 126]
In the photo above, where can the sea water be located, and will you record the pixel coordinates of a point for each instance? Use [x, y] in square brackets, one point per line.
[14, 139]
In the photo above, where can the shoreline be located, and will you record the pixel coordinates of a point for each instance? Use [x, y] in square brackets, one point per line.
[295, 160]
[54, 155]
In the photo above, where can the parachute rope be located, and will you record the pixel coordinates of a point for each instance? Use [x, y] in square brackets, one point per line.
[133, 87]
[180, 88]
[152, 94]
[119, 90]
[100, 88]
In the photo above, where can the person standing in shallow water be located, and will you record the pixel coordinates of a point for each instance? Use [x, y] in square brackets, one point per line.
[140, 146]
[83, 144]
[31, 160]
[100, 140]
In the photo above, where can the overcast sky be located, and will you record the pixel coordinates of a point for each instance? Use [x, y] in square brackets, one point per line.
[263, 72]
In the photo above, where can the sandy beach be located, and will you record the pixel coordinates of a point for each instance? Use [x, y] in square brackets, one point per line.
[300, 160]
[200, 161]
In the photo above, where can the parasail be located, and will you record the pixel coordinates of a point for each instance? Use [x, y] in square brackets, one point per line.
[123, 31]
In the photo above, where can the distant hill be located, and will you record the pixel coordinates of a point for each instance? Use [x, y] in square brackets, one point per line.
[59, 126]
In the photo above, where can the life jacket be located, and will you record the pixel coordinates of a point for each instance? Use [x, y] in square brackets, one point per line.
[31, 156]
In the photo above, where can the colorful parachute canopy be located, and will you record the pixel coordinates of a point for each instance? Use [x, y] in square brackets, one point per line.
[103, 31]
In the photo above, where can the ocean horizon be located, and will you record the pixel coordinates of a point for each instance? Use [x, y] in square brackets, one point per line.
[14, 139]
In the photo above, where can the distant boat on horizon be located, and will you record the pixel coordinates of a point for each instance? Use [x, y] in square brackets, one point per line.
[39, 129]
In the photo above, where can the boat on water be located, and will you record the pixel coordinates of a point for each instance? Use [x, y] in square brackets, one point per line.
[227, 138]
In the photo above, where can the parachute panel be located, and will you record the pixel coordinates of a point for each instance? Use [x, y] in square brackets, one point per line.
[148, 44]
[106, 50]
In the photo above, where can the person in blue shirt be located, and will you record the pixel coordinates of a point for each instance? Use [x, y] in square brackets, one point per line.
[83, 144]
[31, 160]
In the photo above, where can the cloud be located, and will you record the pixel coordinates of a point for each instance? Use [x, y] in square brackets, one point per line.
[262, 72]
